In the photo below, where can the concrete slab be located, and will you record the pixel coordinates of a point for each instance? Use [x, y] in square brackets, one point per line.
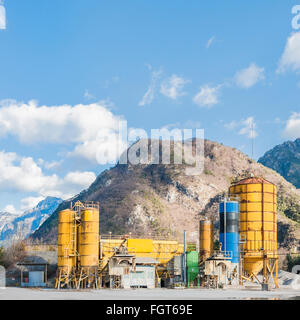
[147, 294]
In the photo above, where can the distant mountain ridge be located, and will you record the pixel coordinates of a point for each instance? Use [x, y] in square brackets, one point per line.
[25, 224]
[285, 159]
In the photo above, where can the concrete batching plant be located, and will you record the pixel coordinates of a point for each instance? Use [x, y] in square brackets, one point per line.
[247, 246]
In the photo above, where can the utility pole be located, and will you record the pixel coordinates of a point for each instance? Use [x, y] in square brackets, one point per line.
[184, 260]
[252, 137]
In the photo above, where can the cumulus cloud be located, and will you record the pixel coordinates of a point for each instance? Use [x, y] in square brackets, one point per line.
[150, 93]
[248, 77]
[30, 202]
[246, 127]
[172, 88]
[78, 178]
[2, 17]
[22, 174]
[81, 126]
[52, 164]
[292, 128]
[207, 96]
[290, 59]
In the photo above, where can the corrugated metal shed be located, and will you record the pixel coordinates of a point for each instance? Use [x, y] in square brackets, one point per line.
[144, 277]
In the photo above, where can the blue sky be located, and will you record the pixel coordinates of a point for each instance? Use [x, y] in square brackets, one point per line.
[223, 67]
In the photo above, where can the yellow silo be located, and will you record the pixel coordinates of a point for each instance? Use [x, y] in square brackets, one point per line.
[206, 239]
[89, 238]
[258, 226]
[66, 259]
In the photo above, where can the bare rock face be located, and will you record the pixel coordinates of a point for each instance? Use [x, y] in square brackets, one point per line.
[285, 159]
[162, 200]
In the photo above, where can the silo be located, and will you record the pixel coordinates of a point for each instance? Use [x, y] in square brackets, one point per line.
[258, 226]
[229, 229]
[89, 238]
[206, 239]
[66, 259]
[192, 263]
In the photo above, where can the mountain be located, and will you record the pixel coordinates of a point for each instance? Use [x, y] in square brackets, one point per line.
[285, 159]
[6, 220]
[23, 225]
[163, 200]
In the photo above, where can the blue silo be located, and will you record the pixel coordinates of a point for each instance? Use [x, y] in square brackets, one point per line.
[229, 229]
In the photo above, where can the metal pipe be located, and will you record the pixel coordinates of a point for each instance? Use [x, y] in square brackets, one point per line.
[184, 260]
[225, 228]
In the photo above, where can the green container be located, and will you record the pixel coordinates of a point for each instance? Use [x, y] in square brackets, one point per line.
[192, 274]
[192, 262]
[192, 259]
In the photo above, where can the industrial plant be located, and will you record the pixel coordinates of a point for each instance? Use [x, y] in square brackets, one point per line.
[245, 251]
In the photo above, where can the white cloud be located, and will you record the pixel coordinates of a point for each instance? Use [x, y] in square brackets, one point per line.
[246, 127]
[210, 42]
[249, 128]
[79, 125]
[52, 164]
[248, 77]
[207, 96]
[290, 59]
[82, 179]
[22, 174]
[30, 202]
[2, 17]
[11, 209]
[231, 125]
[150, 93]
[49, 164]
[172, 88]
[105, 148]
[292, 128]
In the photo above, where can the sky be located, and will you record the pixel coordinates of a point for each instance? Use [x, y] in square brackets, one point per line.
[71, 70]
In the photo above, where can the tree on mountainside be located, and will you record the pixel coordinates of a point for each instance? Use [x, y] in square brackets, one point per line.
[1, 255]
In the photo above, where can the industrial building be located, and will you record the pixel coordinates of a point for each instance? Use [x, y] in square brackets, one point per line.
[247, 247]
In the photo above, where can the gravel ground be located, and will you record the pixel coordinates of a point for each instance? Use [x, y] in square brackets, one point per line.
[147, 294]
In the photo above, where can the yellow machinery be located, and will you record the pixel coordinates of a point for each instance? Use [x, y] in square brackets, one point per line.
[66, 260]
[206, 239]
[258, 227]
[161, 250]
